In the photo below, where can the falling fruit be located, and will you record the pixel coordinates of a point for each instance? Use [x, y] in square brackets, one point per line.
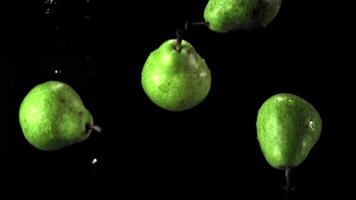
[287, 129]
[226, 15]
[175, 77]
[52, 116]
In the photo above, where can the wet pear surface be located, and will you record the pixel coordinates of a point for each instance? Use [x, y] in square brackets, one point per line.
[287, 129]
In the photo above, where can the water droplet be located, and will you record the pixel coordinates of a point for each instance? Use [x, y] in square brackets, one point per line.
[48, 11]
[94, 161]
[57, 71]
[312, 125]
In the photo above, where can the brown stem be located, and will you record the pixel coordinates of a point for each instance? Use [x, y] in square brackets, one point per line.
[187, 24]
[287, 174]
[288, 186]
[95, 128]
[179, 40]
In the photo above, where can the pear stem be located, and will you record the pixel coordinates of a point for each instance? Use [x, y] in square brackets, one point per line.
[187, 24]
[179, 40]
[288, 186]
[95, 128]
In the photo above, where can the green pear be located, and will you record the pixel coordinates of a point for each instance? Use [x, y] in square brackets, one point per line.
[287, 129]
[226, 15]
[175, 77]
[52, 116]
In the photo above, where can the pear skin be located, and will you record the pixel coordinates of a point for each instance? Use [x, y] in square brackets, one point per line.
[287, 129]
[226, 15]
[53, 116]
[176, 80]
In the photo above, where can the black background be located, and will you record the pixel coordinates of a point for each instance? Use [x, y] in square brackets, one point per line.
[209, 151]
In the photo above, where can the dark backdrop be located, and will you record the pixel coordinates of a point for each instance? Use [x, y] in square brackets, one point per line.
[99, 48]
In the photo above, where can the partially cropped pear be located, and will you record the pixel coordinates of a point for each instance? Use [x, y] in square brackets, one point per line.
[287, 129]
[175, 77]
[225, 15]
[52, 116]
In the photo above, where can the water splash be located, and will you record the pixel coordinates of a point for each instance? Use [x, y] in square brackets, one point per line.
[50, 7]
[50, 2]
